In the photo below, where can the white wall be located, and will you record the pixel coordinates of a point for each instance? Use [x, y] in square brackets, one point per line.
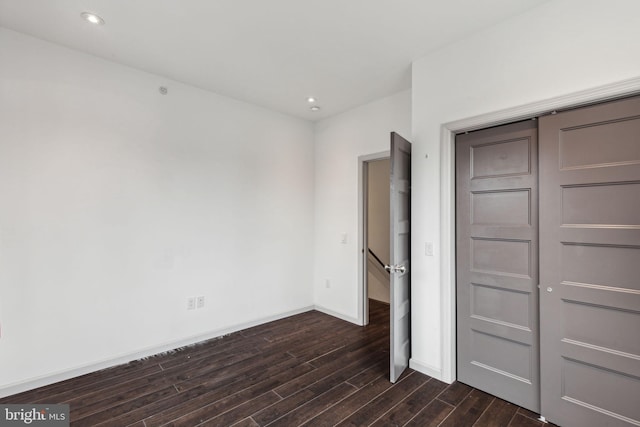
[536, 59]
[340, 140]
[378, 213]
[118, 203]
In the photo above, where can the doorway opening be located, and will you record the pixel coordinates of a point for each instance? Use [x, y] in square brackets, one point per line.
[377, 232]
[374, 230]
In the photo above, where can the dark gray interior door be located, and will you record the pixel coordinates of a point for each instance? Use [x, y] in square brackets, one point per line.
[590, 265]
[497, 262]
[400, 224]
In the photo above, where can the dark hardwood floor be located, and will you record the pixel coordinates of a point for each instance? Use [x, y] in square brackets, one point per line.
[310, 369]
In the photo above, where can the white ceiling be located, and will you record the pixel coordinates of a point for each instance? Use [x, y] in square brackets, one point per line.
[274, 53]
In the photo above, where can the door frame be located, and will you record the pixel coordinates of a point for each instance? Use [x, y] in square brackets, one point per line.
[448, 187]
[363, 171]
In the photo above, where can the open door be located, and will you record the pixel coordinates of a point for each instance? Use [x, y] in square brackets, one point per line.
[400, 222]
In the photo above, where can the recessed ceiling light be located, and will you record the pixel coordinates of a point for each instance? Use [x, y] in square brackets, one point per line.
[315, 108]
[92, 17]
[311, 100]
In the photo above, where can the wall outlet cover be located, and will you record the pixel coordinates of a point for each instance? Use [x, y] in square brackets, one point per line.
[428, 248]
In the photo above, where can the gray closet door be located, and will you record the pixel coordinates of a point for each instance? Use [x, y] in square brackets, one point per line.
[590, 265]
[497, 265]
[400, 224]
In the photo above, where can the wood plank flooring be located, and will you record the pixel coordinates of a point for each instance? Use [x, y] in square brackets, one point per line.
[310, 369]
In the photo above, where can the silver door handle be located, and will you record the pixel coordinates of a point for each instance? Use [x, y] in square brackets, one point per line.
[395, 268]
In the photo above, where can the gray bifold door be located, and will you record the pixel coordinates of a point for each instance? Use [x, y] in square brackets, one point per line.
[497, 262]
[590, 265]
[400, 224]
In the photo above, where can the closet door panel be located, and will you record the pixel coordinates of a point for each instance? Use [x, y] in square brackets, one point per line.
[497, 264]
[590, 265]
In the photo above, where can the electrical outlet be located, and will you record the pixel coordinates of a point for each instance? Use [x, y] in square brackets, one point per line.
[191, 303]
[428, 248]
[200, 302]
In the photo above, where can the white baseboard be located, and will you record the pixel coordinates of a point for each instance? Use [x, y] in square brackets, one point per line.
[338, 315]
[426, 369]
[44, 380]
